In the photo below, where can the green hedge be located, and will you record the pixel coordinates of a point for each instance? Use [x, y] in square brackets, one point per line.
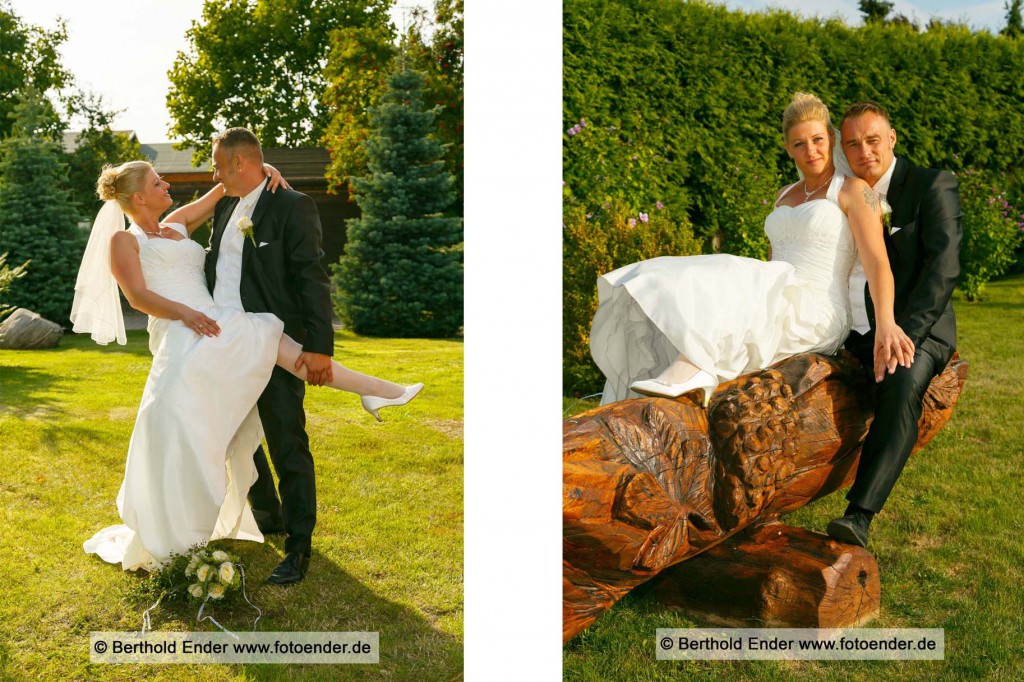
[681, 102]
[596, 242]
[704, 88]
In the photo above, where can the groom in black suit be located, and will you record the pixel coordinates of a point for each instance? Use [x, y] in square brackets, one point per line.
[922, 239]
[265, 257]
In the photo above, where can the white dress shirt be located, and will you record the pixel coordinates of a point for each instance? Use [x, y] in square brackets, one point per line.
[226, 291]
[858, 280]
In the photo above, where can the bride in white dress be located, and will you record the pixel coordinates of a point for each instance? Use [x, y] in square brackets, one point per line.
[190, 459]
[671, 325]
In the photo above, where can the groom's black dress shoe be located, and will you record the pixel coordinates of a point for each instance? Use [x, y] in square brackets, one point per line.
[851, 528]
[291, 570]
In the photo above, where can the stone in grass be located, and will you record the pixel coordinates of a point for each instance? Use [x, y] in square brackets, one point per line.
[26, 330]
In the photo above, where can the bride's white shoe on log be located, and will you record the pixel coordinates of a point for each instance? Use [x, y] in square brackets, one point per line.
[661, 389]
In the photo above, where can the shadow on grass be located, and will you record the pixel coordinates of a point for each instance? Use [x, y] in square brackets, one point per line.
[329, 599]
[23, 389]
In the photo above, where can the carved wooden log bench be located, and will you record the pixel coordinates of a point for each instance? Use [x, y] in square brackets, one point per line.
[649, 483]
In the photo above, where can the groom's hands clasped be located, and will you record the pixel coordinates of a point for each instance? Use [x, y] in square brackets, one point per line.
[892, 347]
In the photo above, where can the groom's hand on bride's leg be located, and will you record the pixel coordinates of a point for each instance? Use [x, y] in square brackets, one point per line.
[319, 371]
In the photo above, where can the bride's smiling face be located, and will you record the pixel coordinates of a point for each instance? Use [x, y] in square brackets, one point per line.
[154, 193]
[809, 143]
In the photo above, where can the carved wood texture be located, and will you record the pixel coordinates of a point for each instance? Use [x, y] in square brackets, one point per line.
[648, 483]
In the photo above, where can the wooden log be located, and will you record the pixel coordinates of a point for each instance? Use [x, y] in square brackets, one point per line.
[777, 576]
[648, 483]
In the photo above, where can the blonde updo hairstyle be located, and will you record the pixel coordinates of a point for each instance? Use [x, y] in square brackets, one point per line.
[805, 107]
[121, 182]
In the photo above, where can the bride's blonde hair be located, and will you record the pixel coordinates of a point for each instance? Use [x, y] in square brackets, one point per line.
[805, 107]
[121, 182]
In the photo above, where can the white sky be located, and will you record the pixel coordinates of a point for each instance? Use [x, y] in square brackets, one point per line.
[990, 15]
[123, 49]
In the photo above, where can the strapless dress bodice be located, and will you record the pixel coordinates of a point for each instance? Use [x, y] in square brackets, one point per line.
[815, 238]
[174, 269]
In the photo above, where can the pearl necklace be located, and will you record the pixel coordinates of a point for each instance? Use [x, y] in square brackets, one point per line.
[807, 195]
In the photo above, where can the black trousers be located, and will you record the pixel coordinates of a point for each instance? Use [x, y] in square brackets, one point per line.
[284, 422]
[898, 404]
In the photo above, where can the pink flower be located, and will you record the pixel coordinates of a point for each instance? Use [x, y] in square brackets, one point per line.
[632, 222]
[644, 217]
[658, 205]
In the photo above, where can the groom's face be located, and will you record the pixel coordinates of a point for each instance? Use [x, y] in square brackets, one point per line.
[225, 170]
[868, 142]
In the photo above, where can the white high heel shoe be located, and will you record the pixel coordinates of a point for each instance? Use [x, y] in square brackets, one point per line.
[372, 403]
[660, 389]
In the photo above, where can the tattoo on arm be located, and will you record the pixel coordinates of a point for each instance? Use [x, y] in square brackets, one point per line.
[871, 199]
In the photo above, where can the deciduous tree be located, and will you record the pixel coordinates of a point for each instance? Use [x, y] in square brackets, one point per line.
[260, 64]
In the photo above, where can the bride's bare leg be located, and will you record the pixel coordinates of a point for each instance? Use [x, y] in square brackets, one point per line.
[678, 372]
[344, 379]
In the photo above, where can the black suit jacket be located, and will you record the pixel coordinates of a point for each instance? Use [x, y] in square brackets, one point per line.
[925, 252]
[283, 277]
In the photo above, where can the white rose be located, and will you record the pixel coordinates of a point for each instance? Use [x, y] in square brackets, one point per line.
[216, 590]
[227, 572]
[220, 556]
[244, 223]
[196, 590]
[204, 572]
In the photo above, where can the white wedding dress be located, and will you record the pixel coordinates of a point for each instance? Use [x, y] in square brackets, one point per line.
[190, 465]
[730, 315]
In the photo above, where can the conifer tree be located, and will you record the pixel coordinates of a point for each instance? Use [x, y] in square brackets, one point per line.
[38, 220]
[401, 274]
[1014, 23]
[875, 10]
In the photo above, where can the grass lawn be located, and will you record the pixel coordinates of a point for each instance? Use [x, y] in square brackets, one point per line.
[949, 542]
[387, 550]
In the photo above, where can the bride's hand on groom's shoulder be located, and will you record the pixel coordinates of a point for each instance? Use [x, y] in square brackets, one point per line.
[276, 179]
[892, 348]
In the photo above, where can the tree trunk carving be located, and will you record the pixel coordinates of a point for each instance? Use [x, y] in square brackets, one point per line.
[651, 482]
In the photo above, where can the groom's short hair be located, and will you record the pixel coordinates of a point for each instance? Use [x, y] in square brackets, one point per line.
[861, 108]
[235, 140]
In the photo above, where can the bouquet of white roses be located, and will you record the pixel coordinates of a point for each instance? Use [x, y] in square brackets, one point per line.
[215, 573]
[202, 573]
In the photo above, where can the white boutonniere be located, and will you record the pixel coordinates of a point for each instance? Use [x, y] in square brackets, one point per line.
[245, 227]
[886, 216]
